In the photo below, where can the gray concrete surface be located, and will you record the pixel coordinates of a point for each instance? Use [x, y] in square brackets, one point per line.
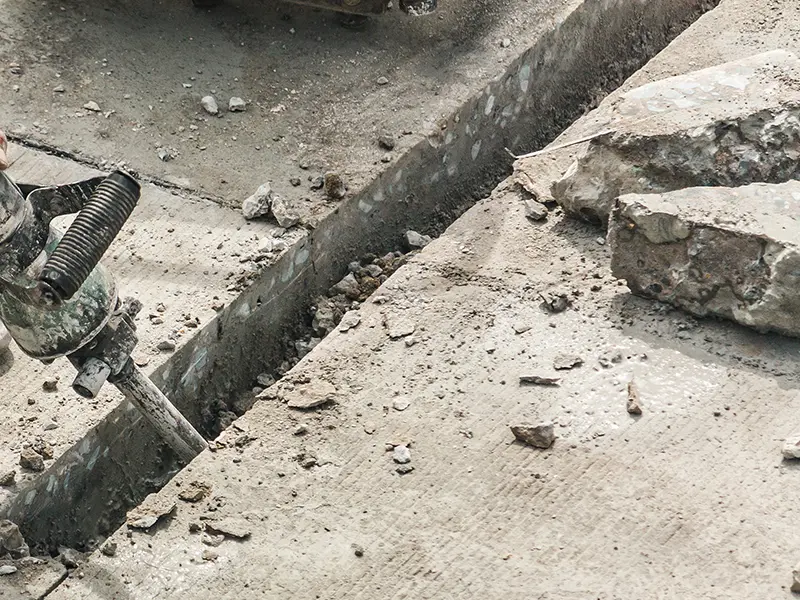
[690, 500]
[732, 252]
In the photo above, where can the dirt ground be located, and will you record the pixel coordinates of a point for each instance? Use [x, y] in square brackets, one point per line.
[689, 500]
[312, 87]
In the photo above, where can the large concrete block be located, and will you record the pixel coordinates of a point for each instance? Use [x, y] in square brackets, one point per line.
[733, 124]
[730, 252]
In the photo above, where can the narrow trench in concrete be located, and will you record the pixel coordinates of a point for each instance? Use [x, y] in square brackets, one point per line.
[567, 72]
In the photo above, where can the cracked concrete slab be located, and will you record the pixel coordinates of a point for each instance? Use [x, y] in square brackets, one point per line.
[730, 252]
[480, 515]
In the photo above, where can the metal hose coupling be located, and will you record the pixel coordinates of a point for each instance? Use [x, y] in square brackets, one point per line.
[88, 238]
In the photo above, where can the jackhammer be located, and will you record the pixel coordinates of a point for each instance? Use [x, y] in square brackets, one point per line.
[57, 300]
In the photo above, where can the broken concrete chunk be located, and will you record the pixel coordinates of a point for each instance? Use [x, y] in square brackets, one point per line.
[151, 511]
[399, 327]
[401, 455]
[236, 104]
[229, 527]
[633, 405]
[729, 125]
[417, 240]
[8, 479]
[349, 321]
[8, 570]
[310, 395]
[31, 460]
[565, 362]
[209, 104]
[348, 286]
[791, 448]
[285, 214]
[11, 540]
[335, 186]
[538, 380]
[728, 252]
[539, 436]
[109, 548]
[535, 210]
[70, 558]
[400, 403]
[259, 204]
[195, 491]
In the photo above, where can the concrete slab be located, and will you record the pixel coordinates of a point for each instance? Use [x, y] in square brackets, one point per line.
[730, 252]
[480, 515]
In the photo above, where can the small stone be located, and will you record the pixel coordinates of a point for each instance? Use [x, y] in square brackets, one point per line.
[369, 428]
[520, 328]
[791, 448]
[796, 579]
[416, 240]
[401, 455]
[633, 405]
[348, 286]
[311, 395]
[382, 80]
[399, 327]
[539, 436]
[556, 302]
[11, 540]
[401, 403]
[213, 540]
[505, 43]
[43, 449]
[8, 570]
[318, 183]
[349, 321]
[301, 429]
[538, 380]
[335, 187]
[195, 527]
[232, 527]
[565, 362]
[92, 106]
[8, 479]
[285, 214]
[31, 460]
[534, 210]
[209, 104]
[295, 181]
[166, 346]
[151, 511]
[387, 141]
[308, 462]
[109, 548]
[209, 555]
[50, 384]
[195, 492]
[358, 550]
[164, 155]
[70, 558]
[236, 104]
[259, 204]
[404, 469]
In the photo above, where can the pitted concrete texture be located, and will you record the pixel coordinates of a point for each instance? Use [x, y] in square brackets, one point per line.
[732, 124]
[730, 252]
[689, 500]
[173, 255]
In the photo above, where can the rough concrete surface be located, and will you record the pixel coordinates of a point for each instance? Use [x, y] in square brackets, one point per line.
[688, 500]
[732, 124]
[730, 252]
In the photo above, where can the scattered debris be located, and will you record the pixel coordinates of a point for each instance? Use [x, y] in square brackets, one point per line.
[535, 210]
[301, 429]
[387, 141]
[209, 104]
[791, 448]
[335, 186]
[50, 384]
[8, 569]
[8, 479]
[399, 327]
[11, 540]
[70, 558]
[382, 80]
[209, 555]
[633, 405]
[401, 455]
[259, 204]
[505, 43]
[358, 550]
[236, 104]
[556, 302]
[195, 492]
[165, 155]
[370, 428]
[348, 286]
[404, 469]
[212, 540]
[92, 106]
[537, 380]
[417, 240]
[109, 548]
[31, 460]
[539, 436]
[401, 403]
[151, 511]
[166, 346]
[565, 362]
[284, 212]
[43, 449]
[349, 321]
[310, 395]
[521, 327]
[229, 527]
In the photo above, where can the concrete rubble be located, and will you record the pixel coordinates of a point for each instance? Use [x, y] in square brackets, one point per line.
[727, 125]
[728, 252]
